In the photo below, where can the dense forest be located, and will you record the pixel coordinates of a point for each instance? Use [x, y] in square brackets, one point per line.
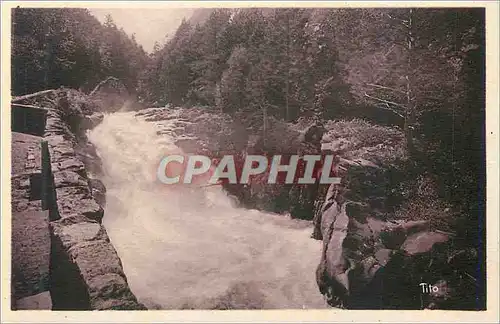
[420, 69]
[69, 47]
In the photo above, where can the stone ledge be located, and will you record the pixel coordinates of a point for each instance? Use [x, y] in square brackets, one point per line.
[71, 201]
[87, 247]
[87, 272]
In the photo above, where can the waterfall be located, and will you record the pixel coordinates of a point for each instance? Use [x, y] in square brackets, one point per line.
[190, 247]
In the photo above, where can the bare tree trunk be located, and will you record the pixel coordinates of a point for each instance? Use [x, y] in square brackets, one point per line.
[264, 123]
[287, 80]
[47, 59]
[25, 78]
[411, 106]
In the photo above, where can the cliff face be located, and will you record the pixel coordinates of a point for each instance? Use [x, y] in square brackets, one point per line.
[85, 270]
[376, 253]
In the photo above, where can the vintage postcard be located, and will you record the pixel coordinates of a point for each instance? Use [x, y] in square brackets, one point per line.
[249, 161]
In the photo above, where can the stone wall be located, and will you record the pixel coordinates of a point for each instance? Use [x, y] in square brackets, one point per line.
[86, 271]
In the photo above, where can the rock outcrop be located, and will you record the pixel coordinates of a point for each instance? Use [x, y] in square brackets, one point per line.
[373, 260]
[86, 272]
[92, 120]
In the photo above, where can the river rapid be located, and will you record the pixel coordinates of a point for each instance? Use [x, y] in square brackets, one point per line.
[189, 247]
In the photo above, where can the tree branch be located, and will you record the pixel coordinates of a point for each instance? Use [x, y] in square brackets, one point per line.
[384, 87]
[30, 106]
[390, 50]
[385, 101]
[39, 93]
[391, 110]
[110, 78]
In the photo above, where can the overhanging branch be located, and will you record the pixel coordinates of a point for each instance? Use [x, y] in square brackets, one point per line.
[384, 87]
[385, 101]
[385, 105]
[98, 86]
[391, 110]
[28, 106]
[39, 93]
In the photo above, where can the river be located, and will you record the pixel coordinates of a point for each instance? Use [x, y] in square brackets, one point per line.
[189, 247]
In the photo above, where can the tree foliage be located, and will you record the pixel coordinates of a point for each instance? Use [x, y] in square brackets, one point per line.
[405, 63]
[421, 69]
[69, 47]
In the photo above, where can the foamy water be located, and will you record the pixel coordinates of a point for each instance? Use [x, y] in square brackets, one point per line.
[191, 247]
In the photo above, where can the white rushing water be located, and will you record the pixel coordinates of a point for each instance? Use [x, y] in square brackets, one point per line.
[185, 247]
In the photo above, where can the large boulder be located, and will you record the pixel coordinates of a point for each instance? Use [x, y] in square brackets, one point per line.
[372, 263]
[87, 271]
[382, 232]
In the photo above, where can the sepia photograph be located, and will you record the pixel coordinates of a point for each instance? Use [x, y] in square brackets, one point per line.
[257, 157]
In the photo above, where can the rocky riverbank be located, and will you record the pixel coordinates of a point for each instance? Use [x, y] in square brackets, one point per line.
[388, 240]
[387, 236]
[85, 270]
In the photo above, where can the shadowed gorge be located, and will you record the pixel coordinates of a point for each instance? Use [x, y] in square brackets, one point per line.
[394, 97]
[185, 247]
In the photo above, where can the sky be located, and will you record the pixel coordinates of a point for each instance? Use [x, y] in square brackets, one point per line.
[148, 24]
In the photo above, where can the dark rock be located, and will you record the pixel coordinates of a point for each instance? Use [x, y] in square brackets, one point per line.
[98, 191]
[85, 270]
[86, 149]
[87, 153]
[88, 271]
[358, 211]
[371, 263]
[92, 121]
[96, 184]
[393, 237]
[59, 144]
[314, 133]
[68, 179]
[111, 291]
[463, 259]
[30, 252]
[77, 200]
[422, 242]
[41, 301]
[70, 164]
[73, 219]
